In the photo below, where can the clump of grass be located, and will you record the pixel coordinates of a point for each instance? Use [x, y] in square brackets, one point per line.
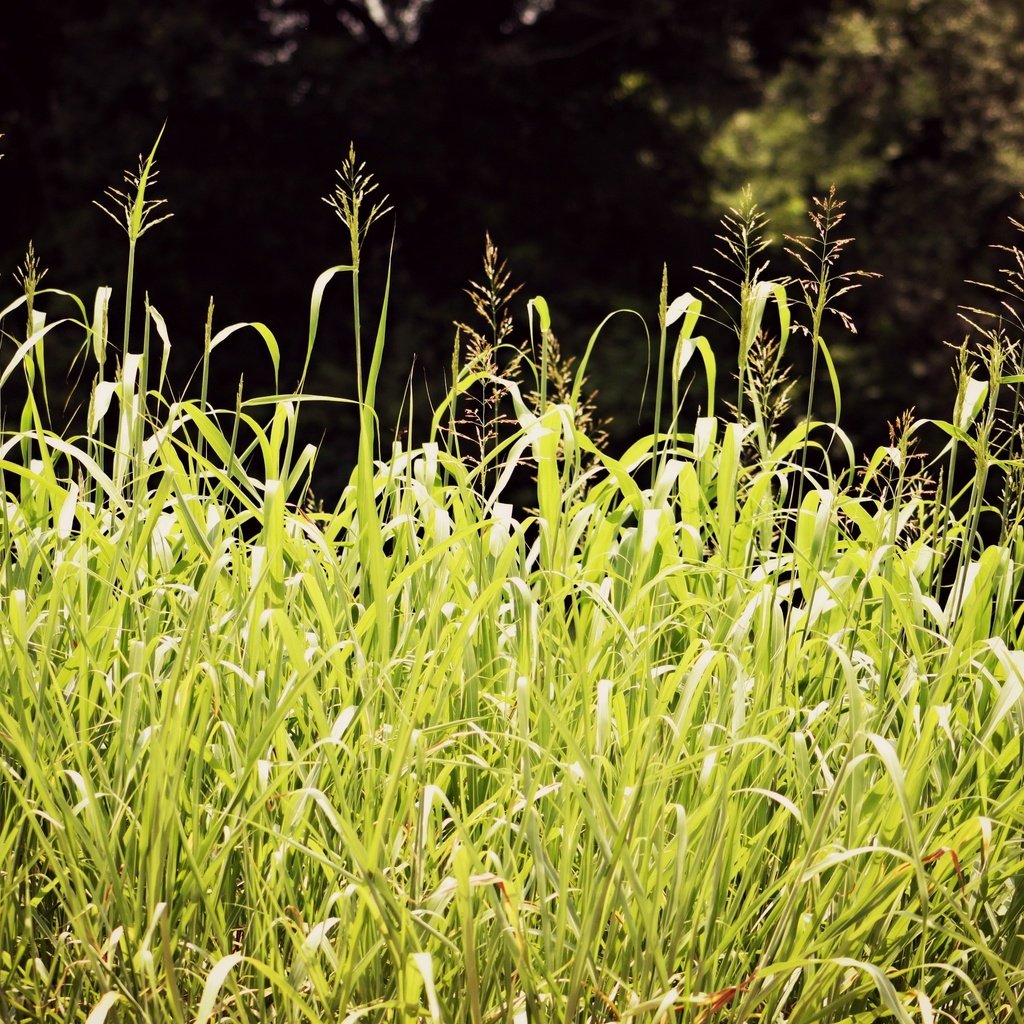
[718, 732]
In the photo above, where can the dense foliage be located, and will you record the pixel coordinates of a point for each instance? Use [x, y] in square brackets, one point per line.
[594, 139]
[725, 727]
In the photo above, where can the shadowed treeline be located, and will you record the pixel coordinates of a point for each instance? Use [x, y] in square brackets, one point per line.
[594, 140]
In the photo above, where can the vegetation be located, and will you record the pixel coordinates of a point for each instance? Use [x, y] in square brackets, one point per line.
[595, 139]
[727, 727]
[911, 108]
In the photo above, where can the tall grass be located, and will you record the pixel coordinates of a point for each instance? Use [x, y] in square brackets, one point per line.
[724, 729]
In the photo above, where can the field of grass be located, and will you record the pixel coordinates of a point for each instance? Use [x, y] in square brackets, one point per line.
[723, 728]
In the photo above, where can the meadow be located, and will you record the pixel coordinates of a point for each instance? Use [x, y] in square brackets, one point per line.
[725, 727]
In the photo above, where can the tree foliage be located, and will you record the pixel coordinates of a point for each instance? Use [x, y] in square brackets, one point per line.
[594, 139]
[916, 109]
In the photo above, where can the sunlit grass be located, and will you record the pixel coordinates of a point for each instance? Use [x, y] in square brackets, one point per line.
[725, 729]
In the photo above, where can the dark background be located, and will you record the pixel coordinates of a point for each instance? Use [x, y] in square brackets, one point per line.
[594, 139]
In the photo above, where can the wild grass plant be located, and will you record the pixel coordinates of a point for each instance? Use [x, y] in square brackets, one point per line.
[726, 728]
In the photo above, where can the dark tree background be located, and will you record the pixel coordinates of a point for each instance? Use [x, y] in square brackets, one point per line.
[594, 140]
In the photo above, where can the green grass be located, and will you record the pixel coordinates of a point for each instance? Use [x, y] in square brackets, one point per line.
[725, 729]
